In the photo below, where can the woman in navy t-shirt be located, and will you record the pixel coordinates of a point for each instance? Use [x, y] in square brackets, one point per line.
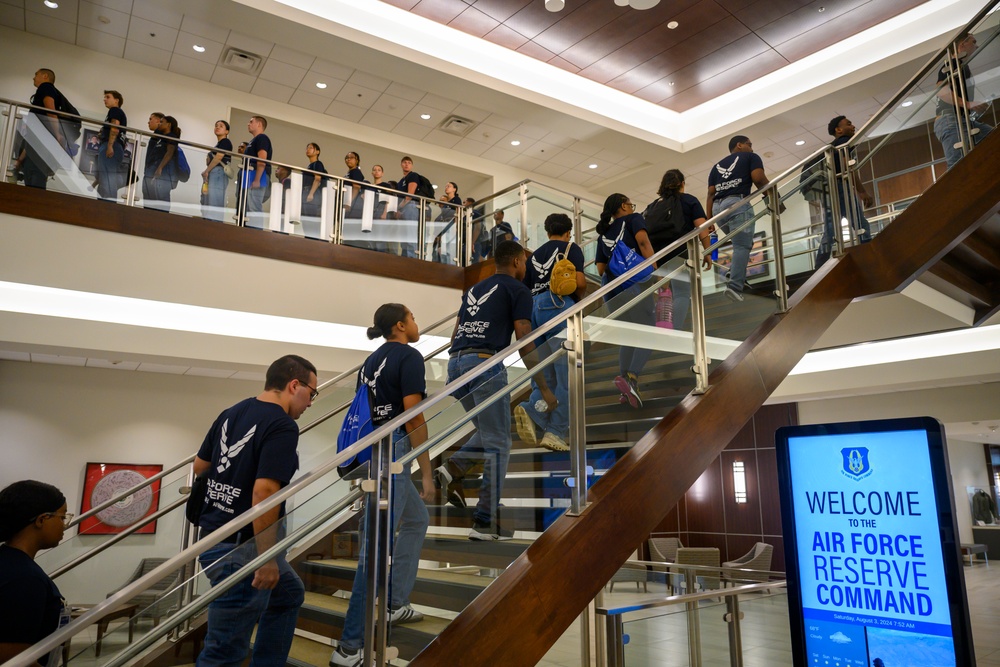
[620, 222]
[395, 374]
[32, 517]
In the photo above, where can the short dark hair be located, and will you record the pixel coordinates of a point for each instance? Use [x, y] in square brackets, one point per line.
[115, 94]
[386, 317]
[506, 252]
[22, 502]
[832, 125]
[315, 145]
[289, 367]
[49, 73]
[406, 158]
[159, 115]
[356, 156]
[263, 121]
[558, 224]
[738, 139]
[224, 122]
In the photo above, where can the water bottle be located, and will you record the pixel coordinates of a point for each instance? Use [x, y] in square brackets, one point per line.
[665, 308]
[713, 244]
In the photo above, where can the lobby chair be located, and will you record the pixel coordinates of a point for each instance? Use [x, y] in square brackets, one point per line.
[758, 558]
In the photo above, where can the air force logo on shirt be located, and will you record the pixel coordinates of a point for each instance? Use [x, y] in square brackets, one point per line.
[230, 452]
[726, 173]
[476, 303]
[543, 269]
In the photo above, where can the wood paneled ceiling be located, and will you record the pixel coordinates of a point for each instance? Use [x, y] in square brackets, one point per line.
[717, 45]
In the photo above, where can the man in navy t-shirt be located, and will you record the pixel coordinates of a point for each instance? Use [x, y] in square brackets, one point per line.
[36, 173]
[946, 124]
[409, 207]
[842, 129]
[491, 311]
[256, 175]
[729, 181]
[248, 455]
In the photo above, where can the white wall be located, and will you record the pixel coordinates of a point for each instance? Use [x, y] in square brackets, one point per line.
[968, 468]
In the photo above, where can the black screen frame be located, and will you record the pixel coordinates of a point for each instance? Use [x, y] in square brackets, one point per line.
[947, 522]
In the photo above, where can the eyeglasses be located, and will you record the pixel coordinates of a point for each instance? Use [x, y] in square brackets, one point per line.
[313, 391]
[66, 518]
[628, 203]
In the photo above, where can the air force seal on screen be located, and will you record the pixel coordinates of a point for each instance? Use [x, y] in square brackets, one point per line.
[856, 464]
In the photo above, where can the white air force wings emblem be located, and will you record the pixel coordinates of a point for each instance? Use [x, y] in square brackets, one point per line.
[371, 383]
[543, 269]
[230, 452]
[475, 304]
[726, 173]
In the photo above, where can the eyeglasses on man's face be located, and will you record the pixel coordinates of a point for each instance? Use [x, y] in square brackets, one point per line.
[313, 391]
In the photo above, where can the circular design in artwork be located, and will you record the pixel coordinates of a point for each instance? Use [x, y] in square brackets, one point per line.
[129, 509]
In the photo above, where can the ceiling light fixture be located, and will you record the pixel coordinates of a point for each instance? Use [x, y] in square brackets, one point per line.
[199, 48]
[555, 5]
[425, 116]
[320, 85]
[673, 25]
[558, 5]
[800, 142]
[592, 166]
[51, 5]
[907, 103]
[515, 143]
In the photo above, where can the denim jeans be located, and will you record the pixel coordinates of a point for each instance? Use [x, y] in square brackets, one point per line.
[632, 359]
[742, 240]
[410, 211]
[409, 526]
[547, 306]
[156, 190]
[680, 287]
[490, 444]
[827, 242]
[215, 204]
[231, 617]
[255, 199]
[110, 171]
[946, 131]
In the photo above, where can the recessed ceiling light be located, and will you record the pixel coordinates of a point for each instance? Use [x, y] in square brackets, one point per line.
[199, 48]
[320, 85]
[800, 142]
[907, 103]
[670, 82]
[51, 5]
[104, 19]
[515, 143]
[435, 187]
[821, 10]
[425, 116]
[673, 25]
[592, 166]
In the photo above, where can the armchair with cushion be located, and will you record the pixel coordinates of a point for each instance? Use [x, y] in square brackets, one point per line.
[161, 598]
[630, 572]
[664, 549]
[758, 558]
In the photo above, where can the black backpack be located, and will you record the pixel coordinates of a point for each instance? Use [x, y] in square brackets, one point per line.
[812, 180]
[71, 126]
[665, 222]
[424, 187]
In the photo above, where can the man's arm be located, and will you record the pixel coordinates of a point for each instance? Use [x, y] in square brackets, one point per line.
[760, 180]
[265, 530]
[112, 138]
[259, 168]
[710, 200]
[521, 329]
[201, 466]
[416, 430]
[411, 188]
[167, 157]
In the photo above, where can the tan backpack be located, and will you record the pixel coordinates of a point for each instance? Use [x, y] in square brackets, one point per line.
[562, 280]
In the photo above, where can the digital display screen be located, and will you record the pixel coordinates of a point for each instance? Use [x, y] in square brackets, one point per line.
[873, 581]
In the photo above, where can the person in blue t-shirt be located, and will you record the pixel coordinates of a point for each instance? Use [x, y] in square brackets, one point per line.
[395, 374]
[620, 222]
[256, 175]
[842, 129]
[249, 454]
[730, 180]
[32, 517]
[312, 195]
[545, 306]
[110, 170]
[491, 311]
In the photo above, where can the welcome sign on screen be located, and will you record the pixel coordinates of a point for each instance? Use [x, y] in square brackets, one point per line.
[870, 566]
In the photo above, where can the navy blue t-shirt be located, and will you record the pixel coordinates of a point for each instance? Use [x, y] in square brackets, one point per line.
[252, 440]
[223, 144]
[403, 184]
[259, 143]
[632, 224]
[731, 175]
[536, 278]
[970, 87]
[355, 175]
[46, 90]
[30, 603]
[839, 141]
[114, 113]
[307, 179]
[489, 310]
[393, 371]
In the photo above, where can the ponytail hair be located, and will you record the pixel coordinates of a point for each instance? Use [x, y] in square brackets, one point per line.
[22, 502]
[386, 317]
[611, 206]
[671, 183]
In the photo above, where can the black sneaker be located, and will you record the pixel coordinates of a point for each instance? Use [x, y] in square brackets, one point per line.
[485, 532]
[454, 492]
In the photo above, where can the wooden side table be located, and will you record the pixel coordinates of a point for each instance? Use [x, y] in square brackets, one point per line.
[121, 611]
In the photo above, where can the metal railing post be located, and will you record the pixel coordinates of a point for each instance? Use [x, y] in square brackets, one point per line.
[698, 329]
[241, 200]
[374, 492]
[421, 228]
[732, 617]
[693, 621]
[577, 221]
[836, 222]
[957, 84]
[140, 147]
[522, 193]
[188, 538]
[7, 137]
[577, 411]
[615, 641]
[780, 288]
[338, 214]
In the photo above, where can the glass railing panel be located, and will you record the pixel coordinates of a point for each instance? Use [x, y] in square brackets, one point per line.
[764, 629]
[984, 65]
[164, 184]
[61, 157]
[443, 233]
[542, 202]
[639, 360]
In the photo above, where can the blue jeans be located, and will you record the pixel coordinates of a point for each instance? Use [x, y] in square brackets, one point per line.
[156, 190]
[827, 242]
[110, 171]
[742, 240]
[255, 199]
[490, 444]
[632, 359]
[680, 286]
[409, 526]
[215, 204]
[547, 306]
[410, 211]
[231, 617]
[946, 131]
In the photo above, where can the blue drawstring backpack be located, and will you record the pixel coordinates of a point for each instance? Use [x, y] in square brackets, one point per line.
[357, 424]
[624, 258]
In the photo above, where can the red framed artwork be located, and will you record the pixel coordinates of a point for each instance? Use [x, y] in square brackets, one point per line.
[103, 481]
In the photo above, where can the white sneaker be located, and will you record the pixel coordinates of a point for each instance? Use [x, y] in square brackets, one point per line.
[733, 295]
[341, 658]
[525, 427]
[405, 614]
[554, 443]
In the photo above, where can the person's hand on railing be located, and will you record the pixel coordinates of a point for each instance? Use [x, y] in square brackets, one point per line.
[427, 490]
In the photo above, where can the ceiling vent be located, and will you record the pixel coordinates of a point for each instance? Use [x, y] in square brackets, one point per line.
[457, 125]
[241, 61]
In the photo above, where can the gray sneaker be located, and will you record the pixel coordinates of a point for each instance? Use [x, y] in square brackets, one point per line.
[733, 295]
[405, 614]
